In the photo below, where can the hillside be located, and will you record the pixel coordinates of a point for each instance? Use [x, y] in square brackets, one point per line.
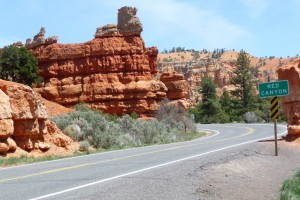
[264, 65]
[219, 65]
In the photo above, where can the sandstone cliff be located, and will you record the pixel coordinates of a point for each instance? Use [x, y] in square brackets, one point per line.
[291, 103]
[23, 121]
[112, 72]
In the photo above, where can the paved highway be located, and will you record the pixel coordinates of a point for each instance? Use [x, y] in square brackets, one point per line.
[127, 174]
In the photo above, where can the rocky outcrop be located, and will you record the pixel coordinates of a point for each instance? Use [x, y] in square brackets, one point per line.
[39, 39]
[128, 22]
[23, 119]
[291, 103]
[107, 31]
[112, 72]
[178, 87]
[194, 71]
[128, 25]
[6, 124]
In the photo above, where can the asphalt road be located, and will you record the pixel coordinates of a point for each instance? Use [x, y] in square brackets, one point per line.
[127, 174]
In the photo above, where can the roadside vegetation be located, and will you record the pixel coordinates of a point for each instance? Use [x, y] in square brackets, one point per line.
[239, 105]
[92, 128]
[98, 132]
[290, 189]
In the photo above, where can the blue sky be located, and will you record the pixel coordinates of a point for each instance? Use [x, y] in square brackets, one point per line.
[260, 27]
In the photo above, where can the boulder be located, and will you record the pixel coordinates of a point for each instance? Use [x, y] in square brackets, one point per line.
[24, 120]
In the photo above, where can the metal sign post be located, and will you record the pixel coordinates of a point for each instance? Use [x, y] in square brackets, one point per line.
[275, 132]
[274, 116]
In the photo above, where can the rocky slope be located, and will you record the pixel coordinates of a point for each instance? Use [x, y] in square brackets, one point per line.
[24, 124]
[113, 72]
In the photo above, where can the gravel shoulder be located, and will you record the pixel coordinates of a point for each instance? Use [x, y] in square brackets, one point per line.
[252, 173]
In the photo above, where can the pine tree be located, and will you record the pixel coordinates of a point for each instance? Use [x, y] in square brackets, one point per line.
[244, 81]
[208, 88]
[225, 101]
[210, 110]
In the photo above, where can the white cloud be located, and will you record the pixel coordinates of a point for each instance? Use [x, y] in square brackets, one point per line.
[255, 7]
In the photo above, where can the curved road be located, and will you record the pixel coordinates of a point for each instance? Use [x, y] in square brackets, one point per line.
[109, 175]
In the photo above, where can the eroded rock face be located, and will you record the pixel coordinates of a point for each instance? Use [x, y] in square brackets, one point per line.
[178, 87]
[291, 103]
[23, 119]
[6, 123]
[112, 72]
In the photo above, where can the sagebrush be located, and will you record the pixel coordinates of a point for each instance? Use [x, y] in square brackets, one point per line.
[91, 127]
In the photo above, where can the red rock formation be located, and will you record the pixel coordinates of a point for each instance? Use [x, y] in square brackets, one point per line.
[178, 87]
[23, 119]
[291, 103]
[112, 72]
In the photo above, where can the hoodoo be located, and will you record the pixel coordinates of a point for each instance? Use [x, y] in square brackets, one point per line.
[113, 72]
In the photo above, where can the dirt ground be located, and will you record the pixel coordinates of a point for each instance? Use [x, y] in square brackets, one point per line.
[53, 108]
[253, 174]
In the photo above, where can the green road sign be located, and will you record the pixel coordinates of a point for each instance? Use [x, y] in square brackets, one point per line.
[273, 89]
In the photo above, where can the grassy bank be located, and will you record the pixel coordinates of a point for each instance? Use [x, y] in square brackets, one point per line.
[291, 188]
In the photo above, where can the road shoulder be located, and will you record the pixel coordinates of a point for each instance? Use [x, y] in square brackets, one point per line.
[253, 173]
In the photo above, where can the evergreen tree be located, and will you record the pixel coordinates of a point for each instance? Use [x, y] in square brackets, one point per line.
[208, 88]
[232, 107]
[244, 81]
[18, 65]
[225, 101]
[210, 111]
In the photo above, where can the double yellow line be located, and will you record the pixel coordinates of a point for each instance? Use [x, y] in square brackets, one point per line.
[250, 130]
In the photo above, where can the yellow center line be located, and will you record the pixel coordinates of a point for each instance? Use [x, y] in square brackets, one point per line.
[250, 130]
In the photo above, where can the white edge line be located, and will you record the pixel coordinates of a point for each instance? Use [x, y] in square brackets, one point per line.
[112, 151]
[149, 168]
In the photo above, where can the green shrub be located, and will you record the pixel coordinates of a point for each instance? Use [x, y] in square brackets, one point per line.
[252, 117]
[82, 107]
[84, 145]
[94, 128]
[134, 115]
[174, 115]
[74, 132]
[290, 189]
[62, 121]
